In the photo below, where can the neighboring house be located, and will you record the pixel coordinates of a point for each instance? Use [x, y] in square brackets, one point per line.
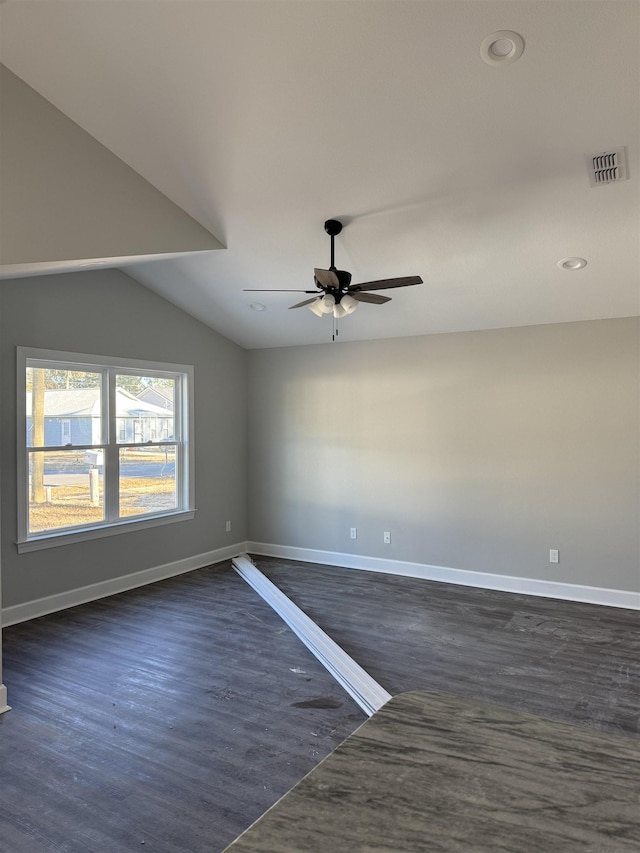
[71, 416]
[159, 396]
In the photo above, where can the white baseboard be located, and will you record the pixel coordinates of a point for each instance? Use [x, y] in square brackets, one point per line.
[482, 580]
[82, 595]
[3, 699]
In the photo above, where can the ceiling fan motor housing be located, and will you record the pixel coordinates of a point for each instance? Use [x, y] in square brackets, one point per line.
[344, 278]
[333, 227]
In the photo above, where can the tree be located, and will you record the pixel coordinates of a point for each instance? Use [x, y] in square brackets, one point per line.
[135, 384]
[132, 384]
[56, 379]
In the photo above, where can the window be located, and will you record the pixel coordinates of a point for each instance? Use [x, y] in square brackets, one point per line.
[96, 452]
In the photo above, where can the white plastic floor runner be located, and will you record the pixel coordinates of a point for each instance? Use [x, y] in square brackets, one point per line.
[369, 695]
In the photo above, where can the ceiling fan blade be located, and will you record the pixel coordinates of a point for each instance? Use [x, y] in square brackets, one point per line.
[305, 302]
[374, 298]
[275, 290]
[326, 278]
[384, 283]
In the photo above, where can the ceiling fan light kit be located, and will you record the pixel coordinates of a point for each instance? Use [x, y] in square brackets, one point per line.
[335, 294]
[330, 305]
[348, 303]
[327, 304]
[339, 311]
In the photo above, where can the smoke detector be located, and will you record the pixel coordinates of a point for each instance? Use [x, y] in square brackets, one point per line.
[608, 167]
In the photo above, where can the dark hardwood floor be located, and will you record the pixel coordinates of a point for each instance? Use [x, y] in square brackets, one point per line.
[172, 716]
[564, 660]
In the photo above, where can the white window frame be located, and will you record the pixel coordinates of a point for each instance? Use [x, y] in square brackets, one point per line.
[183, 439]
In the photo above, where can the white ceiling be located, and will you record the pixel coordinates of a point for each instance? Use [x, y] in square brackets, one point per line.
[263, 119]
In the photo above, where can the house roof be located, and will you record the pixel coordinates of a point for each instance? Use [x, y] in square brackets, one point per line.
[163, 391]
[84, 402]
[67, 403]
[263, 119]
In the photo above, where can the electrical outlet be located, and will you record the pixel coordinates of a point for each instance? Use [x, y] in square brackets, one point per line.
[354, 532]
[386, 537]
[554, 555]
[228, 527]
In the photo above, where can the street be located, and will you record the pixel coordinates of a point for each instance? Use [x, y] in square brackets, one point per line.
[57, 476]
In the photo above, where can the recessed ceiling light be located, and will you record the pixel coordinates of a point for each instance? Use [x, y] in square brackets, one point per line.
[572, 263]
[502, 47]
[257, 306]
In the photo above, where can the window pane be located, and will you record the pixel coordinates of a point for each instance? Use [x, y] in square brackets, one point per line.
[144, 409]
[63, 407]
[64, 489]
[147, 480]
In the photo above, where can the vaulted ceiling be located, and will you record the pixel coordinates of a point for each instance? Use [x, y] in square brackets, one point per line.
[263, 119]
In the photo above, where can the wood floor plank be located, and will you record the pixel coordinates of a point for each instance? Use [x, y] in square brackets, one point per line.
[564, 660]
[174, 715]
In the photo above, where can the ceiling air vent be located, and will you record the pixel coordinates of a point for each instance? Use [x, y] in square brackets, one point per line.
[608, 167]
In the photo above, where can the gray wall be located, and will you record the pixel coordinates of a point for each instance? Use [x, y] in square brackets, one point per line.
[65, 196]
[478, 451]
[106, 312]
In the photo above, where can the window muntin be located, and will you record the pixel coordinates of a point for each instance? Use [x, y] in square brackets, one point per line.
[107, 443]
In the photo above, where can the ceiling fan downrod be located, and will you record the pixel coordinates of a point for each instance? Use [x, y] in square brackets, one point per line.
[333, 227]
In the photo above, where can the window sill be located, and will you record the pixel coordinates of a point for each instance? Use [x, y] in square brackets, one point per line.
[52, 540]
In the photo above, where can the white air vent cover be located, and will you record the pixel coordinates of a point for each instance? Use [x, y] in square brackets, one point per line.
[608, 167]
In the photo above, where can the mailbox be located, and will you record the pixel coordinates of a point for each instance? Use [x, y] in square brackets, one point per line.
[94, 457]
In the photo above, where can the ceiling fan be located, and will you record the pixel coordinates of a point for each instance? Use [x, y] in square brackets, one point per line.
[335, 294]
